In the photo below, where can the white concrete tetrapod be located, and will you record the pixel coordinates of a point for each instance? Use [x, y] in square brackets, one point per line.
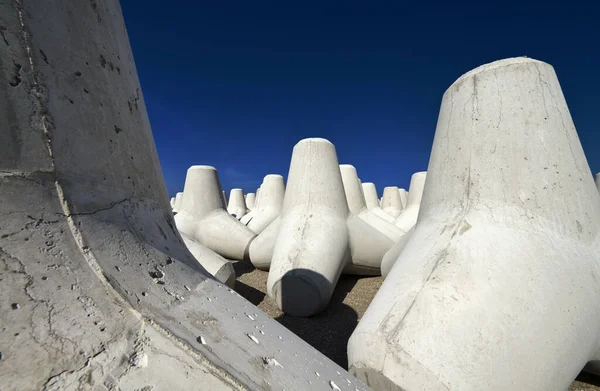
[312, 244]
[237, 205]
[178, 199]
[98, 289]
[250, 200]
[203, 218]
[391, 202]
[172, 202]
[271, 202]
[409, 216]
[371, 245]
[372, 202]
[497, 289]
[403, 198]
[216, 265]
[261, 248]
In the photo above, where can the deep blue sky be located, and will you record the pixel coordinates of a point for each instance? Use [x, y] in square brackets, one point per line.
[235, 84]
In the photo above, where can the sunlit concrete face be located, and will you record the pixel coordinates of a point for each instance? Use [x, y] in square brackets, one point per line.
[391, 203]
[312, 245]
[372, 202]
[370, 236]
[98, 289]
[270, 203]
[237, 204]
[497, 288]
[203, 218]
[406, 221]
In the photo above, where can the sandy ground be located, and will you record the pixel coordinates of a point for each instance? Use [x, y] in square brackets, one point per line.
[330, 330]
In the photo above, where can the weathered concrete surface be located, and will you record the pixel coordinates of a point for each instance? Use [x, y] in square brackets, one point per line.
[98, 290]
[391, 202]
[597, 180]
[270, 203]
[203, 218]
[237, 204]
[497, 288]
[372, 202]
[312, 244]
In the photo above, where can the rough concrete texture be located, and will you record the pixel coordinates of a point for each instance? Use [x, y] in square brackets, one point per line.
[502, 256]
[597, 180]
[98, 290]
[403, 197]
[270, 203]
[237, 203]
[312, 244]
[372, 202]
[250, 200]
[203, 218]
[391, 202]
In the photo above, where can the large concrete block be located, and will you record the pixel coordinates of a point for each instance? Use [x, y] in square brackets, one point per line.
[391, 203]
[372, 202]
[312, 245]
[497, 288]
[98, 289]
[237, 204]
[203, 218]
[270, 203]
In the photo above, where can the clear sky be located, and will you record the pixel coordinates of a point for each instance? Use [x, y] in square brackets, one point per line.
[235, 84]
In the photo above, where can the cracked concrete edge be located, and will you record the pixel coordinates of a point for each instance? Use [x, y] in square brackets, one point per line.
[122, 227]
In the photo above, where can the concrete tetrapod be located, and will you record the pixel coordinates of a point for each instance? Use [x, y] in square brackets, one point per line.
[403, 198]
[203, 218]
[391, 202]
[178, 199]
[497, 288]
[371, 246]
[269, 206]
[237, 204]
[212, 262]
[406, 221]
[250, 199]
[372, 202]
[312, 244]
[98, 289]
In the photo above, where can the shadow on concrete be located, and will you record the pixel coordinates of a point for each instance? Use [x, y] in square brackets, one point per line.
[589, 378]
[242, 267]
[328, 331]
